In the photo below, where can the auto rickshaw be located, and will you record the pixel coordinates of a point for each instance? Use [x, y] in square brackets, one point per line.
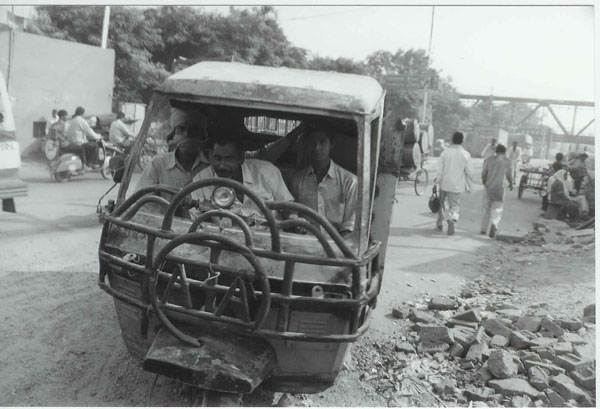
[226, 307]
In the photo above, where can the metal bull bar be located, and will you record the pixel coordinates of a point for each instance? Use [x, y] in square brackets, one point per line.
[242, 289]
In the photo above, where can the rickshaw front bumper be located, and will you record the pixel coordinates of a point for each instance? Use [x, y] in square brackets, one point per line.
[224, 361]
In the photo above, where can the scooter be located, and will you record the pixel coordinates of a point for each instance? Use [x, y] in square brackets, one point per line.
[63, 166]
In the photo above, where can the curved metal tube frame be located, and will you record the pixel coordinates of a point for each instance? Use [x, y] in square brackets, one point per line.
[236, 219]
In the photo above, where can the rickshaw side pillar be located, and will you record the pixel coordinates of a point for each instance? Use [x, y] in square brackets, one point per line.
[390, 155]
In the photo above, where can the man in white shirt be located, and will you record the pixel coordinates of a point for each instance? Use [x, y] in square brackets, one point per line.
[119, 133]
[489, 150]
[261, 177]
[454, 176]
[515, 154]
[325, 186]
[80, 133]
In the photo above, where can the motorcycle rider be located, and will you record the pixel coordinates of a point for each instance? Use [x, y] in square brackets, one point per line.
[119, 134]
[80, 133]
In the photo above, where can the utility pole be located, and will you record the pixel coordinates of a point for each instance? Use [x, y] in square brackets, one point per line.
[424, 114]
[105, 26]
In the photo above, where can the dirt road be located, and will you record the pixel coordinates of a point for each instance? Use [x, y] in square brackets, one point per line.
[60, 344]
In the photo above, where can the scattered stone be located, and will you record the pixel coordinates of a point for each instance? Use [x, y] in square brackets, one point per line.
[521, 402]
[529, 323]
[518, 340]
[495, 327]
[511, 238]
[556, 401]
[479, 404]
[561, 378]
[587, 351]
[462, 335]
[475, 352]
[444, 385]
[480, 337]
[542, 225]
[405, 347]
[553, 369]
[513, 386]
[584, 377]
[589, 313]
[572, 338]
[401, 312]
[442, 303]
[539, 403]
[421, 316]
[467, 365]
[484, 373]
[478, 394]
[587, 402]
[579, 233]
[551, 326]
[542, 341]
[495, 397]
[451, 322]
[472, 315]
[432, 347]
[561, 348]
[501, 364]
[457, 350]
[545, 353]
[538, 377]
[499, 341]
[510, 314]
[569, 391]
[434, 333]
[570, 362]
[467, 293]
[528, 355]
[552, 238]
[571, 325]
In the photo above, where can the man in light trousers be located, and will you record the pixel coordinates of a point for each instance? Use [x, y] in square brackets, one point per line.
[454, 176]
[496, 171]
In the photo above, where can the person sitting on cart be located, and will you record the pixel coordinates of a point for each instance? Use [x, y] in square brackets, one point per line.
[561, 196]
[325, 186]
[227, 160]
[559, 162]
[578, 170]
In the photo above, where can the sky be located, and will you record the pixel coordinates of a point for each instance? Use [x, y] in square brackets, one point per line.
[517, 51]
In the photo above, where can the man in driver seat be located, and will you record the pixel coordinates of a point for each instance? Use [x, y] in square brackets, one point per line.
[261, 177]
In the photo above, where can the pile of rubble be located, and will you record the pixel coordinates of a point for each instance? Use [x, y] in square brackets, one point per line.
[458, 350]
[519, 359]
[555, 235]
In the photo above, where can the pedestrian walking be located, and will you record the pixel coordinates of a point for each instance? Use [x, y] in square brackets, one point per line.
[496, 171]
[515, 155]
[489, 150]
[454, 176]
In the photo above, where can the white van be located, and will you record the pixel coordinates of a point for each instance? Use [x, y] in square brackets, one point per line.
[10, 157]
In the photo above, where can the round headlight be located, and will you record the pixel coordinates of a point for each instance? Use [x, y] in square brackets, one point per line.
[223, 197]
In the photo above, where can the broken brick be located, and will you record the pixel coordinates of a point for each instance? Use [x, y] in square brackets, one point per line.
[405, 347]
[478, 394]
[501, 364]
[434, 333]
[484, 373]
[572, 338]
[496, 327]
[538, 377]
[401, 312]
[422, 316]
[570, 362]
[452, 322]
[457, 350]
[499, 341]
[584, 377]
[471, 315]
[553, 327]
[561, 378]
[553, 369]
[542, 341]
[529, 323]
[532, 356]
[518, 340]
[569, 391]
[586, 351]
[571, 325]
[545, 353]
[556, 401]
[475, 352]
[561, 348]
[521, 402]
[513, 386]
[480, 337]
[462, 335]
[442, 303]
[432, 347]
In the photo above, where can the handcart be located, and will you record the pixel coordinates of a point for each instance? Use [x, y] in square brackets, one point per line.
[534, 179]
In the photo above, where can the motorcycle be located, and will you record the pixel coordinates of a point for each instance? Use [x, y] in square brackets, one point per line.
[64, 165]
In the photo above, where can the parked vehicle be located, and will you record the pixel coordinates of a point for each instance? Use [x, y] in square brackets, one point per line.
[226, 309]
[10, 156]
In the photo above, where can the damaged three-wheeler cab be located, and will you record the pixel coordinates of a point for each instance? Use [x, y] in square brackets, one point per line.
[226, 303]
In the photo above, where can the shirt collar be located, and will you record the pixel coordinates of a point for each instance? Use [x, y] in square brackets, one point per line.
[330, 171]
[247, 175]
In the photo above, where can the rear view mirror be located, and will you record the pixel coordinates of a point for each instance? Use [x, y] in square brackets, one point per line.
[118, 165]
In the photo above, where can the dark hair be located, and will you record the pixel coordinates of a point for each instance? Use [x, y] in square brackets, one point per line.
[54, 112]
[79, 111]
[62, 113]
[493, 140]
[312, 128]
[222, 140]
[559, 156]
[500, 148]
[120, 115]
[458, 138]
